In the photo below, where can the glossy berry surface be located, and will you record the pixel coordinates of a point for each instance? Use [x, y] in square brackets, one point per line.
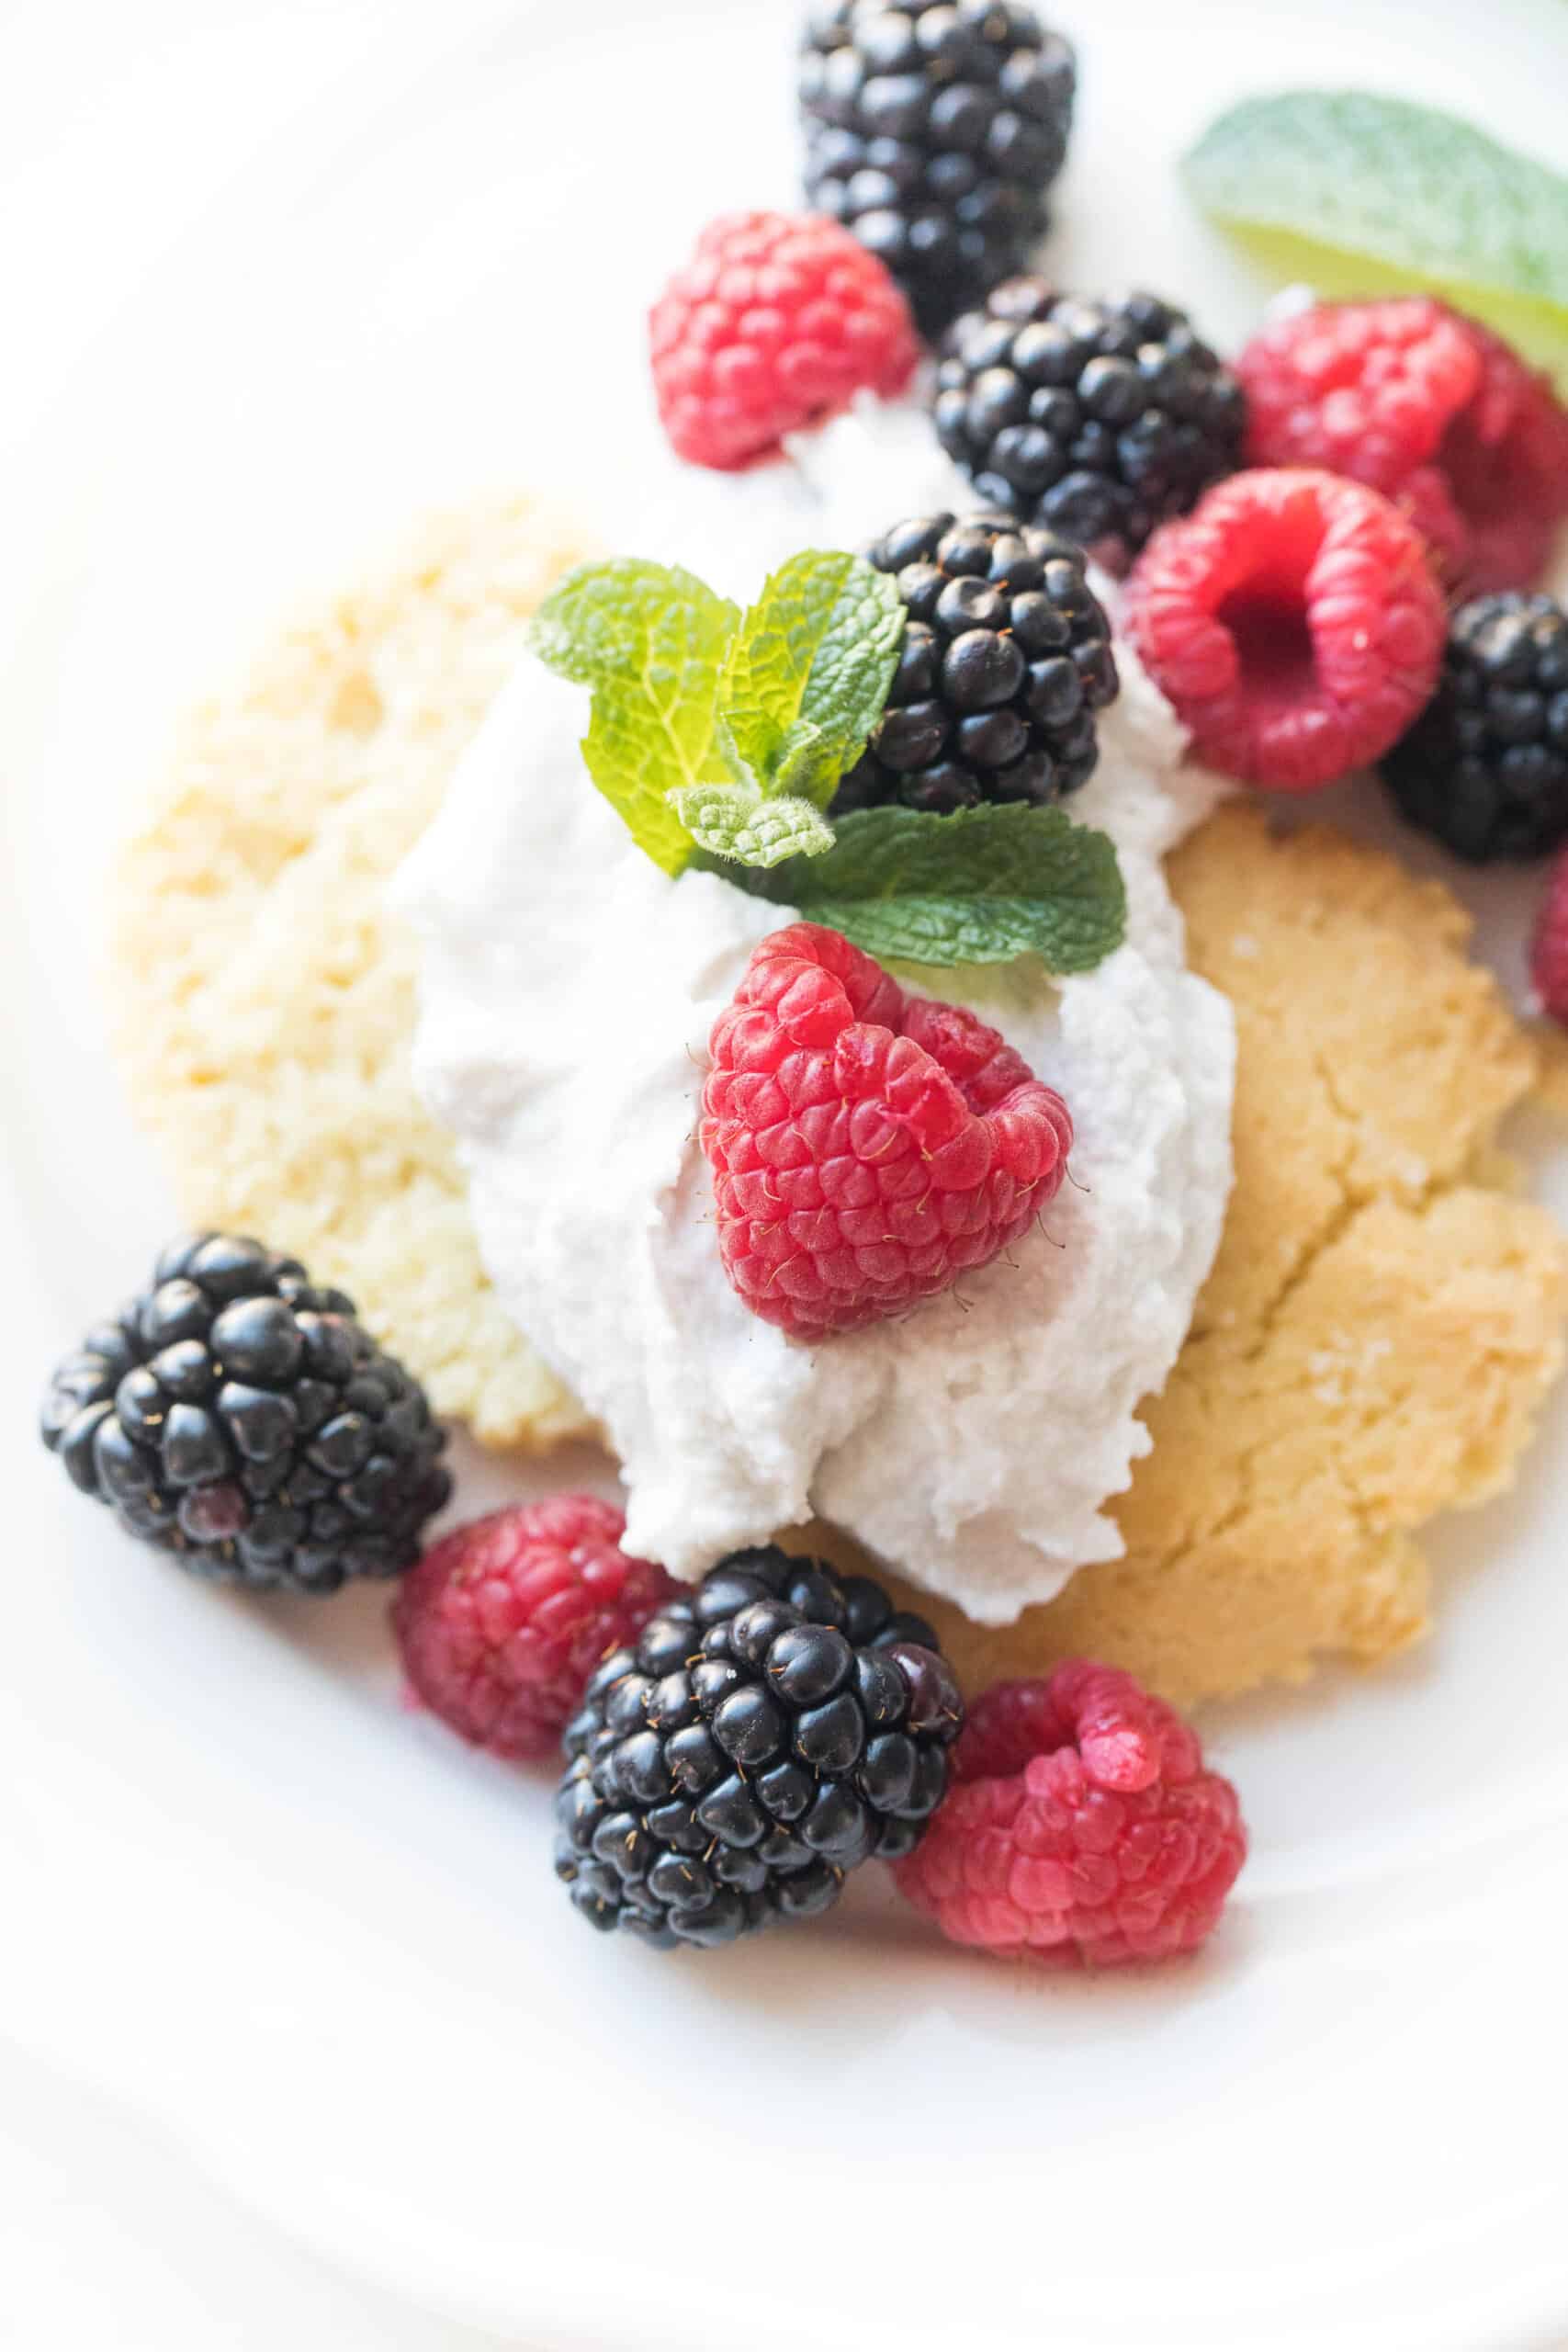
[501, 1622]
[1082, 1827]
[1485, 766]
[1006, 660]
[1096, 419]
[762, 1736]
[867, 1147]
[934, 129]
[1430, 408]
[241, 1418]
[774, 325]
[1293, 621]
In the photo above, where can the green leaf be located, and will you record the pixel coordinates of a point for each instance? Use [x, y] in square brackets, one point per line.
[806, 764]
[736, 821]
[651, 642]
[818, 648]
[1358, 193]
[726, 755]
[980, 887]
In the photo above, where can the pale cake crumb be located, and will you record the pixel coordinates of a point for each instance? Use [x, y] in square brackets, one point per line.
[263, 1001]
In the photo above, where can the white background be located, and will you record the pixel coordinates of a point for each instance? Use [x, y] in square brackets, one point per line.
[298, 2045]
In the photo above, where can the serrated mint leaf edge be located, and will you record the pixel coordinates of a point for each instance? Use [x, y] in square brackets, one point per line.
[797, 828]
[845, 714]
[601, 628]
[833, 671]
[947, 932]
[1072, 928]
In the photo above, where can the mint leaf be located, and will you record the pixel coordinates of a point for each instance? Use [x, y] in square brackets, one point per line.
[651, 642]
[726, 755]
[1358, 193]
[737, 822]
[806, 764]
[980, 887]
[818, 648]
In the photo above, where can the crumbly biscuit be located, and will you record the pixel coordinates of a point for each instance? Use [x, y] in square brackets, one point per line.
[265, 1001]
[1380, 1325]
[1385, 1315]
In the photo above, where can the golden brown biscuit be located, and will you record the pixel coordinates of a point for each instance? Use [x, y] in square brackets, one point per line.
[1380, 1325]
[1383, 1319]
[264, 1001]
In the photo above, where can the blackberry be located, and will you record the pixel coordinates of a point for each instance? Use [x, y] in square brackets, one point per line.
[765, 1734]
[1006, 659]
[242, 1419]
[1485, 766]
[934, 131]
[1098, 419]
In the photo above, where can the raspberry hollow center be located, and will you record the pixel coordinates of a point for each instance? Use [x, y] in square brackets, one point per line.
[1293, 622]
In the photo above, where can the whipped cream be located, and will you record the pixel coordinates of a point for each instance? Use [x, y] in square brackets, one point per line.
[569, 990]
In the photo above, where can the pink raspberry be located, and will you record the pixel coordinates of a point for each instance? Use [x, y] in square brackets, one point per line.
[1428, 407]
[774, 325]
[1081, 1826]
[503, 1622]
[867, 1147]
[1549, 958]
[1293, 621]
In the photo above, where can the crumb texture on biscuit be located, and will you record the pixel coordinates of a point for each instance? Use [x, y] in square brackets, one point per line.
[264, 1001]
[1385, 1315]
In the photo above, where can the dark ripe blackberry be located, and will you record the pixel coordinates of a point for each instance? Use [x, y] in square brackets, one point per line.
[768, 1732]
[1485, 766]
[933, 131]
[1099, 420]
[1006, 659]
[241, 1418]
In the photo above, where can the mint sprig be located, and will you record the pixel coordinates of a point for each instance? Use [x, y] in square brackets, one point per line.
[982, 886]
[1358, 193]
[720, 738]
[718, 730]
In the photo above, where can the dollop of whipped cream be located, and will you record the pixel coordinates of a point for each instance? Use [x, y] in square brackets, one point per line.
[569, 990]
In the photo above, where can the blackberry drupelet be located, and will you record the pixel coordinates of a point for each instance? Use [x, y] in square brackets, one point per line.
[1099, 419]
[1007, 657]
[1485, 766]
[242, 1419]
[934, 128]
[767, 1732]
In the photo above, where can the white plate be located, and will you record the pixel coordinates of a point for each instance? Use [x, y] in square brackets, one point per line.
[276, 278]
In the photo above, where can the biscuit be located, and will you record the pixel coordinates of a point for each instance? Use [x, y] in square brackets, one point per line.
[1381, 1322]
[1385, 1315]
[265, 1001]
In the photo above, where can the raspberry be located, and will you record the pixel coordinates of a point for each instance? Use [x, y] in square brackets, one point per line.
[1080, 1828]
[504, 1621]
[866, 1147]
[1431, 409]
[775, 324]
[1293, 621]
[1549, 959]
